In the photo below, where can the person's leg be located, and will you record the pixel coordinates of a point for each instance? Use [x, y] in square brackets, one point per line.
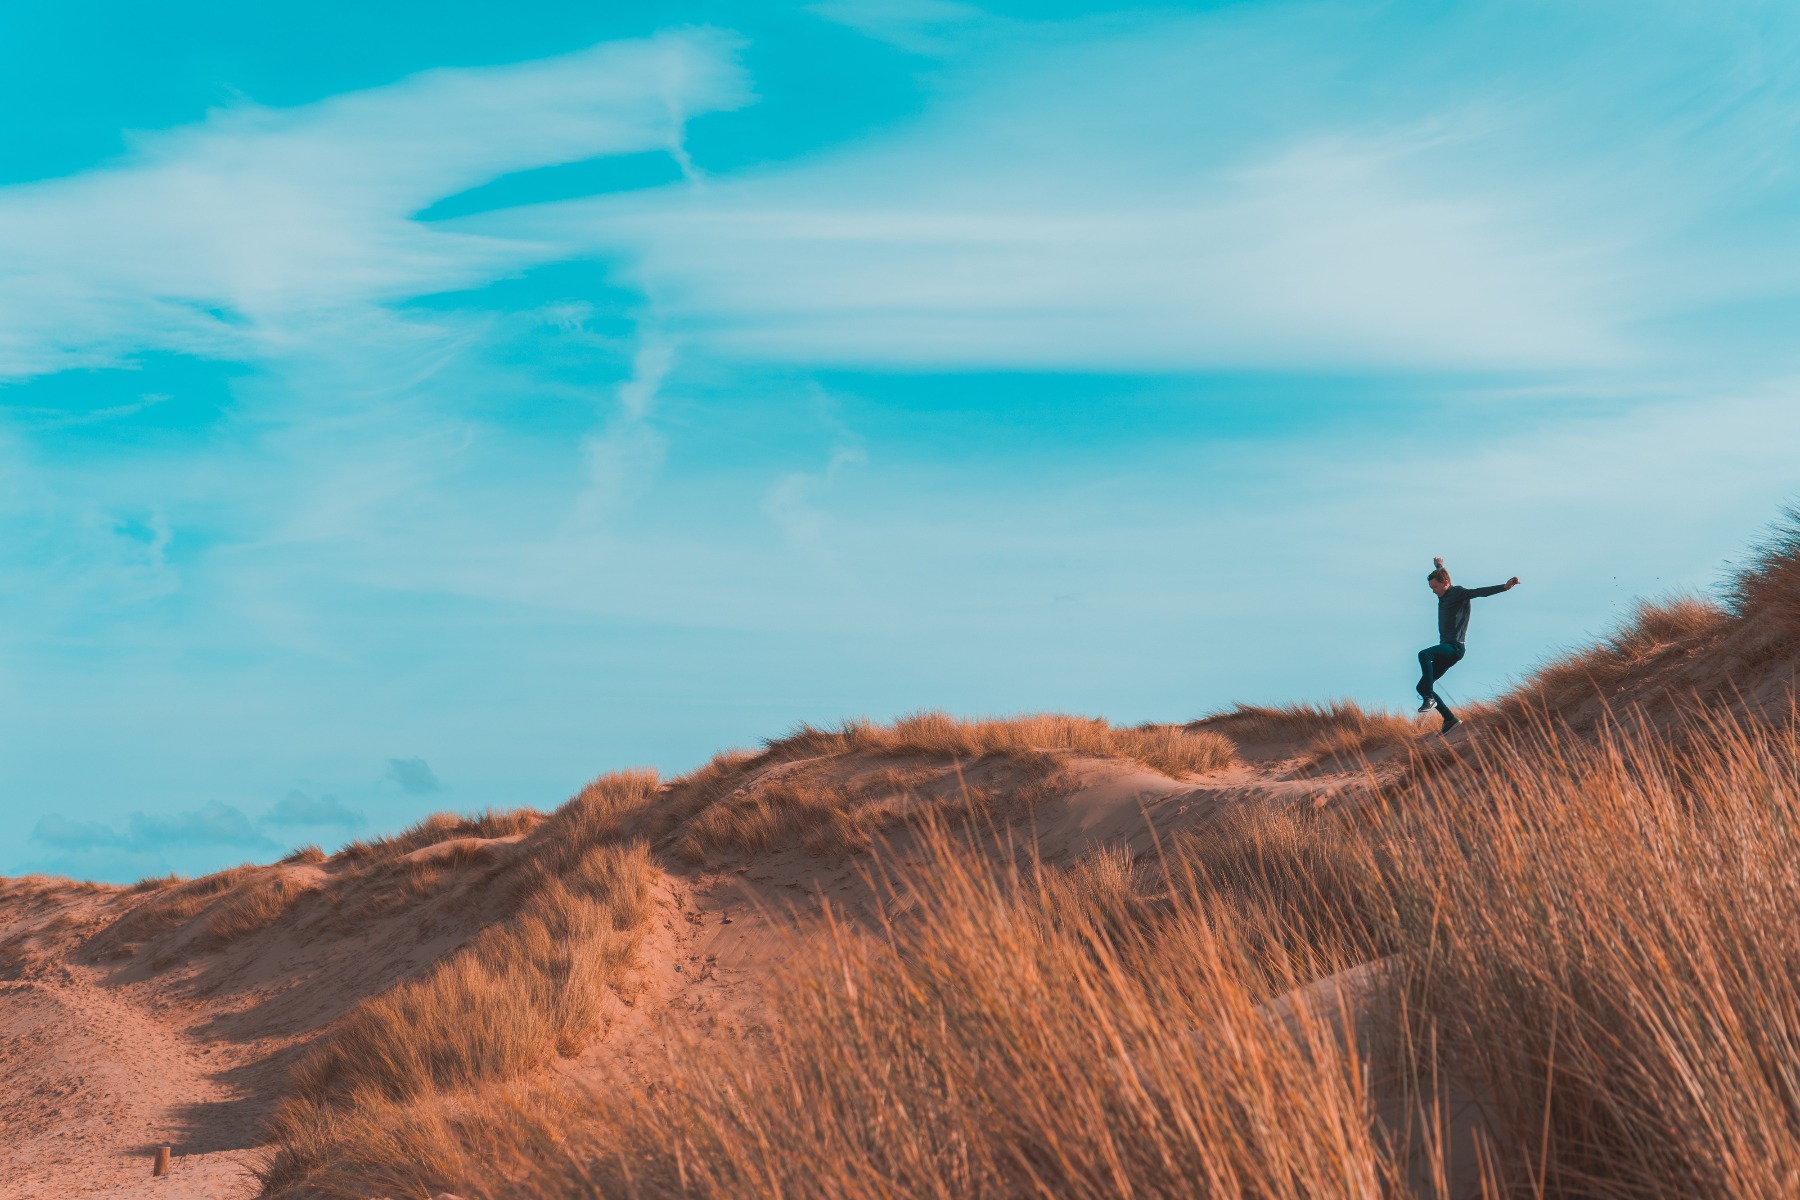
[1444, 656]
[1427, 676]
[1433, 662]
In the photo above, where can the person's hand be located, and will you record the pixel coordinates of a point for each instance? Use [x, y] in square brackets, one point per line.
[1512, 583]
[1437, 562]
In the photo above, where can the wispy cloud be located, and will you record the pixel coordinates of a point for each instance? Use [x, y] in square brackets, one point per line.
[622, 457]
[918, 26]
[229, 238]
[1271, 186]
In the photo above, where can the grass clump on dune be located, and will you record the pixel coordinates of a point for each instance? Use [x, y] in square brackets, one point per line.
[523, 992]
[1602, 939]
[981, 1048]
[1316, 733]
[252, 905]
[170, 904]
[1653, 639]
[442, 827]
[1057, 1032]
[1170, 749]
[829, 816]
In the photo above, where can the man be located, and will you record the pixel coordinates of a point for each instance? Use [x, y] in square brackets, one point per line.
[1453, 627]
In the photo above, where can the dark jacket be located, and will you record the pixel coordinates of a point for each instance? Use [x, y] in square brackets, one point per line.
[1453, 610]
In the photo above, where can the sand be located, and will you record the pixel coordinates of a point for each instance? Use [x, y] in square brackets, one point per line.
[109, 1051]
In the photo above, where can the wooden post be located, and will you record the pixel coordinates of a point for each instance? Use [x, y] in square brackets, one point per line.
[162, 1161]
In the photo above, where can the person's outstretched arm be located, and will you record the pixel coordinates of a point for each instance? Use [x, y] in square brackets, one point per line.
[1495, 588]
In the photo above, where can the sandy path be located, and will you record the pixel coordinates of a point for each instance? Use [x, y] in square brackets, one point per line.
[93, 1084]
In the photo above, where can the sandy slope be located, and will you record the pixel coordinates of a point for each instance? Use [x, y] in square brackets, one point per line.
[108, 1052]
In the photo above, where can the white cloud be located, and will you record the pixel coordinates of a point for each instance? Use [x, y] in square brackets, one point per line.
[237, 237]
[1284, 186]
[624, 456]
[917, 26]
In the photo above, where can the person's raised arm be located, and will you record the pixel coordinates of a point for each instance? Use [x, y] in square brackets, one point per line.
[1496, 588]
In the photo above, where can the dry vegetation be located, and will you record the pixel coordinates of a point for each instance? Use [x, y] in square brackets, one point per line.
[1053, 1033]
[1595, 936]
[830, 813]
[1173, 750]
[1602, 937]
[524, 991]
[442, 827]
[821, 815]
[1056, 1035]
[1647, 649]
[1337, 733]
[1670, 654]
[169, 904]
[252, 905]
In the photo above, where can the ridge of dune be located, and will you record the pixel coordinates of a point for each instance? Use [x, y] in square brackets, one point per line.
[122, 1033]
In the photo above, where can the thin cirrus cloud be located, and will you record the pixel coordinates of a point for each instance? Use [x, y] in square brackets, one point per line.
[225, 238]
[919, 26]
[1271, 186]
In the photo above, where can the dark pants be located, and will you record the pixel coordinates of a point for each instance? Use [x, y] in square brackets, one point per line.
[1433, 662]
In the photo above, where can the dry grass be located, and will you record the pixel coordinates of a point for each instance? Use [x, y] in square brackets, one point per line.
[168, 907]
[521, 993]
[831, 817]
[255, 904]
[1768, 589]
[1621, 667]
[424, 1147]
[610, 808]
[1596, 936]
[822, 816]
[1301, 885]
[305, 856]
[1602, 936]
[526, 990]
[1341, 730]
[1174, 750]
[391, 885]
[1006, 1040]
[695, 792]
[441, 827]
[1591, 931]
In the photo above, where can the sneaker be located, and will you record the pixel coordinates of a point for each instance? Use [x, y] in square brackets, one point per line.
[1427, 705]
[1450, 723]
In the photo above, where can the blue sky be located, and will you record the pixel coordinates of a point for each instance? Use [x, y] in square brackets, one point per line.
[408, 406]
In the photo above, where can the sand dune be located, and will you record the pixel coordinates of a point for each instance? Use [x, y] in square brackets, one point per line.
[118, 1040]
[237, 1017]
